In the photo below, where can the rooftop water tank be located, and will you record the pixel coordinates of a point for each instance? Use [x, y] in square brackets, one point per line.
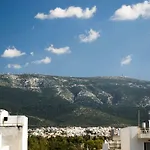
[144, 125]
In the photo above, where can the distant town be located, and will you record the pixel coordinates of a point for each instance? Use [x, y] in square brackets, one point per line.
[73, 131]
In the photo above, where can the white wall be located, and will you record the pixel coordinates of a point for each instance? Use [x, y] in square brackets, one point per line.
[3, 113]
[125, 140]
[25, 135]
[11, 136]
[105, 146]
[0, 141]
[129, 139]
[5, 148]
[14, 133]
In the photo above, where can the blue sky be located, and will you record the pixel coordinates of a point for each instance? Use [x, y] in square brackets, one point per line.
[75, 38]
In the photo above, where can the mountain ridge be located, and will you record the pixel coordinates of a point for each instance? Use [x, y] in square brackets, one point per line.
[102, 99]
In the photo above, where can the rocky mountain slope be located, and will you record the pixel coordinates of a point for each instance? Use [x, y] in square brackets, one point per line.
[55, 100]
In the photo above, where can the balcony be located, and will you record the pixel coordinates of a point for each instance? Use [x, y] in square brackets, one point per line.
[144, 133]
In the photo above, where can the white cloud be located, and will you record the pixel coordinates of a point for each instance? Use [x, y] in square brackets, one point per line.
[59, 51]
[90, 36]
[69, 12]
[12, 52]
[46, 60]
[26, 64]
[126, 60]
[32, 53]
[14, 66]
[132, 12]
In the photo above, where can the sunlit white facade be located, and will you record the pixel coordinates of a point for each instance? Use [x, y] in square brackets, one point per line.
[130, 138]
[13, 131]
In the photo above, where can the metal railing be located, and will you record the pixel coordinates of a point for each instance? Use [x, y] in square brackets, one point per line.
[144, 133]
[144, 130]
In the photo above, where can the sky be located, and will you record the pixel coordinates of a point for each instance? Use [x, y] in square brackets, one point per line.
[75, 38]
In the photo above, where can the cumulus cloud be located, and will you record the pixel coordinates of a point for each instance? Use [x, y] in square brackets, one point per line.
[14, 66]
[46, 60]
[126, 60]
[12, 52]
[59, 51]
[132, 12]
[90, 36]
[69, 12]
[32, 53]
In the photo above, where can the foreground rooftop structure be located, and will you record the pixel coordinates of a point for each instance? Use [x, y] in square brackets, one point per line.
[13, 131]
[129, 138]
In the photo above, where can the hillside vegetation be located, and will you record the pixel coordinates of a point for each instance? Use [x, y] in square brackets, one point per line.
[65, 143]
[63, 101]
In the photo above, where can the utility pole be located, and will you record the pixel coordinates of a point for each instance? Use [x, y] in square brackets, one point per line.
[138, 118]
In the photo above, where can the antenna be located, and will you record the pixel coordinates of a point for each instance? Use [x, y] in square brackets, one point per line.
[149, 120]
[149, 115]
[139, 118]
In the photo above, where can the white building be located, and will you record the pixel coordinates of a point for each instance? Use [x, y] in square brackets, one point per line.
[13, 131]
[130, 138]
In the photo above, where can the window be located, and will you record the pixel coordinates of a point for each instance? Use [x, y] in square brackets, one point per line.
[5, 118]
[147, 146]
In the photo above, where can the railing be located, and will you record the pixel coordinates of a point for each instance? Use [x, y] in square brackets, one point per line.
[11, 125]
[144, 133]
[115, 145]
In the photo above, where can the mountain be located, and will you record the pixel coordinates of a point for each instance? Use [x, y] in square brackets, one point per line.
[63, 101]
